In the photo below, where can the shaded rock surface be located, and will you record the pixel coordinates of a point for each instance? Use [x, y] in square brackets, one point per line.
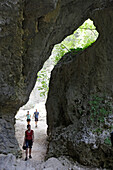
[10, 162]
[74, 80]
[28, 32]
[27, 39]
[7, 137]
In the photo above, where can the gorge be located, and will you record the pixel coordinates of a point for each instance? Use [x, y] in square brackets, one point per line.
[28, 31]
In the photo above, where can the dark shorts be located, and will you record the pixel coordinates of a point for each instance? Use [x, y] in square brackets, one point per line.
[29, 143]
[36, 119]
[28, 120]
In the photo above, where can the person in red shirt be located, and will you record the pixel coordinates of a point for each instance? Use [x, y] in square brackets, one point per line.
[28, 141]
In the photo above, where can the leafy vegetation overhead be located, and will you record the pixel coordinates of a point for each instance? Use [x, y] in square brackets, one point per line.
[83, 37]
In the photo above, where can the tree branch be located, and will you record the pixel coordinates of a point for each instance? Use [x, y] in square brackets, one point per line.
[65, 47]
[91, 29]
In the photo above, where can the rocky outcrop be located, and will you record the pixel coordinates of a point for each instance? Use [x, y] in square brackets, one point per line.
[10, 162]
[18, 68]
[28, 32]
[27, 39]
[8, 142]
[75, 79]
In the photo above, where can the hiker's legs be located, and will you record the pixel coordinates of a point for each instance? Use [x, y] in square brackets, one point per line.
[36, 123]
[30, 148]
[29, 151]
[36, 120]
[26, 149]
[26, 152]
[28, 122]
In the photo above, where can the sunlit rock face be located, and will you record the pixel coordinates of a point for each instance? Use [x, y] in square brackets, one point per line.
[74, 80]
[28, 32]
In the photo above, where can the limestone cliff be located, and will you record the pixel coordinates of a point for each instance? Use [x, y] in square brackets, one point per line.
[74, 80]
[28, 32]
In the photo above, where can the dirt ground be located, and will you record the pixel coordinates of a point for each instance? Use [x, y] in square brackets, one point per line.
[40, 135]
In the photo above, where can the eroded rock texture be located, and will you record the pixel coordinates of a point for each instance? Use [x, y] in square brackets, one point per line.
[22, 53]
[28, 32]
[74, 80]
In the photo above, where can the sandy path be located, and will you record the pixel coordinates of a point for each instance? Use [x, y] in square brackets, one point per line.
[40, 136]
[40, 142]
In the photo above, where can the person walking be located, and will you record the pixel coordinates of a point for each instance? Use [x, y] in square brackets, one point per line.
[28, 141]
[28, 118]
[36, 115]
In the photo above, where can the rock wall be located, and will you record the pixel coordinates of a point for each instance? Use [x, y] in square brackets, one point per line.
[28, 32]
[10, 162]
[22, 48]
[74, 80]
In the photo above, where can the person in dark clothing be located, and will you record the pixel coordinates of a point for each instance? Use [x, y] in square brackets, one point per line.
[36, 115]
[28, 141]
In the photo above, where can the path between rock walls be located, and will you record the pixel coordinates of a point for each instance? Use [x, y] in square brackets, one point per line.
[9, 162]
[39, 146]
[40, 135]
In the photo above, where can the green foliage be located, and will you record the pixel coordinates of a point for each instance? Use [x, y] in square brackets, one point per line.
[111, 128]
[59, 51]
[75, 51]
[98, 130]
[82, 38]
[44, 81]
[100, 108]
[107, 141]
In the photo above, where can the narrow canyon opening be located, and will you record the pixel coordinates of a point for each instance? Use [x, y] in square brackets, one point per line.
[82, 38]
[78, 119]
